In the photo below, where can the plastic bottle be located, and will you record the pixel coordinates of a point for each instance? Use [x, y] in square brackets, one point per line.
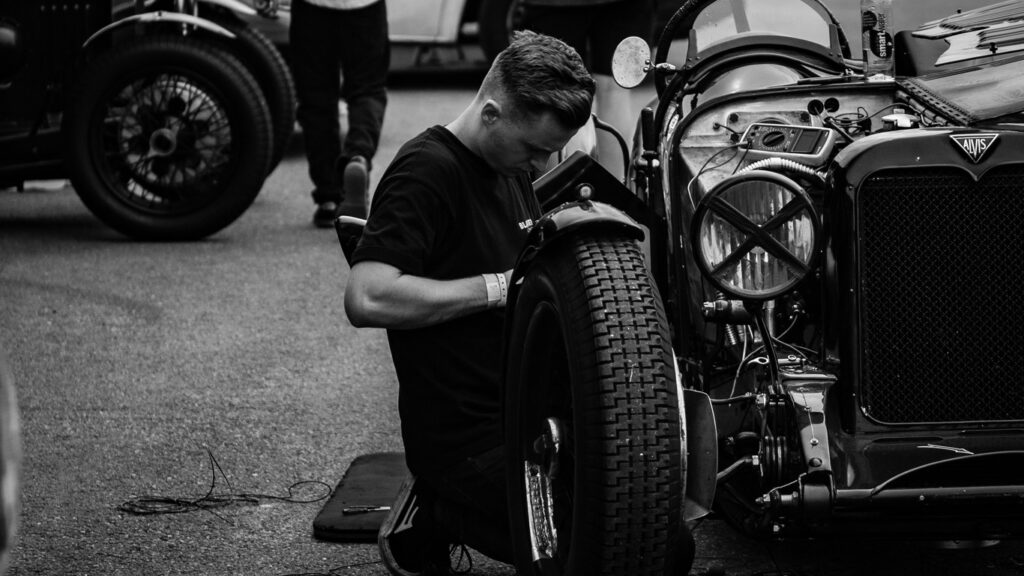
[876, 34]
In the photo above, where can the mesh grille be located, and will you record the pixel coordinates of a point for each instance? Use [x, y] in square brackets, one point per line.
[942, 268]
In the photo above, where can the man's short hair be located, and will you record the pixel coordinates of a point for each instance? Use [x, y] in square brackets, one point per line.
[543, 74]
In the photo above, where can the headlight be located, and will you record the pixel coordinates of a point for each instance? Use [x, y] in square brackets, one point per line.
[755, 235]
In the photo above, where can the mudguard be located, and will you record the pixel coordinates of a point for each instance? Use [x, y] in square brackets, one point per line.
[233, 5]
[158, 17]
[568, 219]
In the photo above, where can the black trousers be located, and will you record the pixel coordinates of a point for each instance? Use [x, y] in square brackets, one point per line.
[339, 54]
[593, 30]
[471, 503]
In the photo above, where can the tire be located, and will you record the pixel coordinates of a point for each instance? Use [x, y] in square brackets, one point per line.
[590, 361]
[169, 138]
[496, 20]
[271, 70]
[10, 465]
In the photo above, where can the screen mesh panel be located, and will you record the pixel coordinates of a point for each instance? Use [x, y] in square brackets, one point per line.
[942, 295]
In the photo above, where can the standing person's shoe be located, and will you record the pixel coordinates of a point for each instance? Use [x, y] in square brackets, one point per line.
[325, 214]
[355, 181]
[409, 540]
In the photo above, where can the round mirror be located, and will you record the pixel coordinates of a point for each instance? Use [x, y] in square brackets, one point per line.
[631, 61]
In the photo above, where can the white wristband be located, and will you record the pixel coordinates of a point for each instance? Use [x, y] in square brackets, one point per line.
[493, 290]
[503, 287]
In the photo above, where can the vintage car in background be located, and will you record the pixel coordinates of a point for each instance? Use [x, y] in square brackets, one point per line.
[800, 313]
[166, 115]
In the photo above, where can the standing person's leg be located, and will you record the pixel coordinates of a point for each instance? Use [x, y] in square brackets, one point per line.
[366, 57]
[316, 69]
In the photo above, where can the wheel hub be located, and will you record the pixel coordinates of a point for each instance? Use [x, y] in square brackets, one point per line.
[163, 142]
[173, 137]
[542, 469]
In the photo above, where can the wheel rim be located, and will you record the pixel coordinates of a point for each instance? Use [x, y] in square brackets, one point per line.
[545, 444]
[167, 143]
[542, 490]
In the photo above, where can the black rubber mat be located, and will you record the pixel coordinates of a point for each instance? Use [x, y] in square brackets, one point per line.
[362, 498]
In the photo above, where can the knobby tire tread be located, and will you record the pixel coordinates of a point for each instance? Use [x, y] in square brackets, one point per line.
[628, 402]
[627, 517]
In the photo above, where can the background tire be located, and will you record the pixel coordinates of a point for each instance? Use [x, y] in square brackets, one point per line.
[590, 370]
[169, 138]
[271, 70]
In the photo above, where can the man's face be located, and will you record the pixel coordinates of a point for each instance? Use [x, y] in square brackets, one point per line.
[521, 143]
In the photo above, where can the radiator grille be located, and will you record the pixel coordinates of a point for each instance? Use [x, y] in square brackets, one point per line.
[942, 280]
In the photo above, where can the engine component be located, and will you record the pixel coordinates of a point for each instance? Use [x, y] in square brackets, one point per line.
[807, 144]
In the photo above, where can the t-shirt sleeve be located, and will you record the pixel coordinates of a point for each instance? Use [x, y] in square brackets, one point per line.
[410, 208]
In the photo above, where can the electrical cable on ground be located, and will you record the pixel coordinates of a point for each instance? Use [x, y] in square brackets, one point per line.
[151, 505]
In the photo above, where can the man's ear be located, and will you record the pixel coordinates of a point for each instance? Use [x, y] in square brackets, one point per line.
[490, 112]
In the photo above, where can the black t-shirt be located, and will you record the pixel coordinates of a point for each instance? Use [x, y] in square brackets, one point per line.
[441, 212]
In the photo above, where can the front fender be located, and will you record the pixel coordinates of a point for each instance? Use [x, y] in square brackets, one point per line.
[233, 5]
[581, 214]
[566, 220]
[158, 17]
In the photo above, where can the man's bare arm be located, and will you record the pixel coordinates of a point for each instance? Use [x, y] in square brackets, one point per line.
[382, 296]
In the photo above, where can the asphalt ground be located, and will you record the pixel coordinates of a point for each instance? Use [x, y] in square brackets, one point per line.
[227, 367]
[134, 362]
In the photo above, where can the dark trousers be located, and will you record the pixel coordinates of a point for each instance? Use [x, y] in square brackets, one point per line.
[339, 54]
[471, 503]
[593, 30]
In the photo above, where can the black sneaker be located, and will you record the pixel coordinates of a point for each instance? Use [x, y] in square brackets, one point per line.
[409, 539]
[355, 181]
[325, 214]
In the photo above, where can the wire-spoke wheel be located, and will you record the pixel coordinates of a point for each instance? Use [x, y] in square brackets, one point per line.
[591, 416]
[170, 138]
[175, 141]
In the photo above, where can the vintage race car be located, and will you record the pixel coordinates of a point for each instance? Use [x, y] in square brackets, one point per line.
[166, 116]
[800, 311]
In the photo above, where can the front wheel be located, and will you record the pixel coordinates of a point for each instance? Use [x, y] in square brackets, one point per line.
[591, 417]
[169, 138]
